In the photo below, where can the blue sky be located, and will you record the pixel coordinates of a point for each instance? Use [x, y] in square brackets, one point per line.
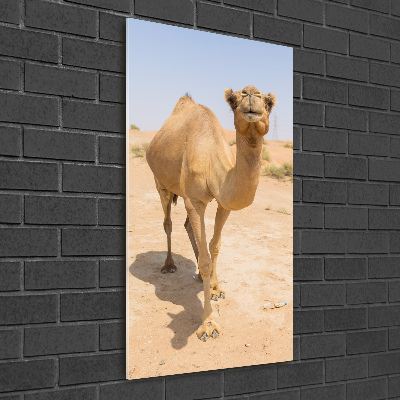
[164, 62]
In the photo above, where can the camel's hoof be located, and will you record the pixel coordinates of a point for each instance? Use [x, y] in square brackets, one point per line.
[214, 297]
[204, 337]
[168, 268]
[214, 334]
[164, 271]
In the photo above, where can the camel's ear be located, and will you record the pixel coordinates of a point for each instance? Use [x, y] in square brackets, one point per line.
[270, 101]
[230, 98]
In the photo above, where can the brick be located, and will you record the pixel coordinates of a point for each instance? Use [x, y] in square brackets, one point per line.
[60, 274]
[394, 53]
[102, 56]
[319, 38]
[10, 273]
[10, 141]
[337, 392]
[346, 218]
[395, 100]
[338, 319]
[394, 291]
[10, 344]
[394, 386]
[296, 85]
[368, 193]
[307, 113]
[380, 316]
[28, 242]
[93, 242]
[369, 145]
[346, 118]
[347, 68]
[27, 375]
[308, 61]
[300, 374]
[112, 273]
[27, 44]
[46, 210]
[341, 369]
[255, 379]
[60, 81]
[308, 164]
[170, 10]
[317, 346]
[387, 218]
[394, 195]
[97, 179]
[367, 292]
[384, 170]
[297, 189]
[346, 167]
[60, 340]
[221, 18]
[10, 209]
[308, 216]
[394, 338]
[324, 191]
[383, 364]
[296, 242]
[309, 10]
[117, 5]
[112, 150]
[88, 369]
[385, 74]
[278, 30]
[60, 18]
[85, 393]
[112, 27]
[9, 11]
[100, 117]
[296, 138]
[384, 267]
[345, 268]
[316, 294]
[384, 26]
[377, 5]
[395, 8]
[384, 123]
[9, 74]
[395, 147]
[308, 269]
[21, 108]
[286, 395]
[366, 342]
[321, 242]
[296, 295]
[112, 336]
[59, 145]
[346, 18]
[367, 242]
[144, 389]
[111, 212]
[267, 6]
[370, 389]
[324, 90]
[324, 140]
[395, 242]
[28, 309]
[369, 96]
[92, 306]
[112, 88]
[308, 321]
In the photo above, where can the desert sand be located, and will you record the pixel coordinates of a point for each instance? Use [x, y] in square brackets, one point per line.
[255, 266]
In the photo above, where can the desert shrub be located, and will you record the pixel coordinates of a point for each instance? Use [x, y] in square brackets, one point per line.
[285, 170]
[288, 145]
[140, 150]
[288, 168]
[265, 155]
[232, 142]
[133, 126]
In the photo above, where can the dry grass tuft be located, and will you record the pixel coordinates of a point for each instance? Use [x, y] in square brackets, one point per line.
[288, 145]
[140, 150]
[280, 173]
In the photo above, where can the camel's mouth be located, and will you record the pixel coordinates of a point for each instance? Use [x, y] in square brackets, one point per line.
[252, 116]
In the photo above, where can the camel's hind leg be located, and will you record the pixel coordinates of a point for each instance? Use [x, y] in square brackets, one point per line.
[166, 200]
[215, 244]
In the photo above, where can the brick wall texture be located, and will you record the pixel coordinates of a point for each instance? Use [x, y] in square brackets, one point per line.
[62, 185]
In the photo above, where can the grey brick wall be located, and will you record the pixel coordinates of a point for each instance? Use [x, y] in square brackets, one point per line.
[62, 202]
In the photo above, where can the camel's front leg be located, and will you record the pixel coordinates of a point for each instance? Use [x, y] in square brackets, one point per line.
[215, 244]
[196, 211]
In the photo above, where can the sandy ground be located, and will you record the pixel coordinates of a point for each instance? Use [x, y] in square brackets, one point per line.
[254, 267]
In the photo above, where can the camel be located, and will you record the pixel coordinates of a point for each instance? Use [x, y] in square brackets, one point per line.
[191, 158]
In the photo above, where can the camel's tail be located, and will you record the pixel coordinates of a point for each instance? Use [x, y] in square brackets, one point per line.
[175, 199]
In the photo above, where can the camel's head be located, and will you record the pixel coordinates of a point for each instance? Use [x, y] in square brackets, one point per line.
[251, 109]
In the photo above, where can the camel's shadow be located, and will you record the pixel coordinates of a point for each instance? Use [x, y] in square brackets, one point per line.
[180, 288]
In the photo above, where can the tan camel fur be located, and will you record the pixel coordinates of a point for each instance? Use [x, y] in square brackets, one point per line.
[191, 158]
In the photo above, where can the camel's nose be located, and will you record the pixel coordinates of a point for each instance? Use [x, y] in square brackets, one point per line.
[250, 90]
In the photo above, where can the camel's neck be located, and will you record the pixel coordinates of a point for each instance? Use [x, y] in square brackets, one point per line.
[242, 180]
